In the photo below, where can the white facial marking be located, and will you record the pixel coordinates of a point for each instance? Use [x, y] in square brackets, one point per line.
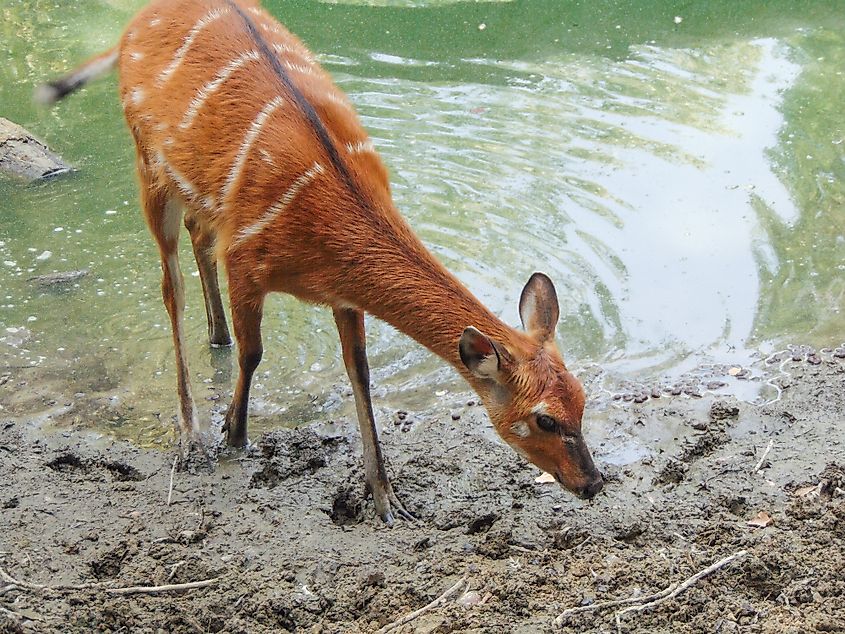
[279, 206]
[203, 22]
[540, 408]
[250, 137]
[211, 87]
[521, 429]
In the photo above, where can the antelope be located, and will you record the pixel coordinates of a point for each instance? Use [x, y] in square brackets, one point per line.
[241, 135]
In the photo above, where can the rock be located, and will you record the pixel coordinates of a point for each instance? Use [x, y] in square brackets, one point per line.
[62, 277]
[24, 156]
[723, 409]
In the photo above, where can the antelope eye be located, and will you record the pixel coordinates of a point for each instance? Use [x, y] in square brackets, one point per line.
[547, 423]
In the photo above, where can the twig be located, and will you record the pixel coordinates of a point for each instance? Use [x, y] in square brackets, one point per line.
[174, 568]
[9, 579]
[561, 618]
[669, 593]
[175, 587]
[172, 473]
[15, 616]
[647, 601]
[6, 577]
[434, 604]
[763, 457]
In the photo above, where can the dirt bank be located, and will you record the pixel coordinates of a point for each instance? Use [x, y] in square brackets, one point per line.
[294, 544]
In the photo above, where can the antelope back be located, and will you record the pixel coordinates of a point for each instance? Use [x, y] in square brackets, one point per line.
[233, 114]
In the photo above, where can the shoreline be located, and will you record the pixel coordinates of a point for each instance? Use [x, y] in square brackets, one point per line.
[291, 535]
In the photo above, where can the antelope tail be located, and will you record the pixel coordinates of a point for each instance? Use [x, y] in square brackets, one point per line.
[96, 67]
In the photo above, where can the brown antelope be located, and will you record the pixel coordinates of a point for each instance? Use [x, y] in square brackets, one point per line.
[238, 128]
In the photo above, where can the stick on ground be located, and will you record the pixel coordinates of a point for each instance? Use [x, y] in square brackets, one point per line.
[175, 587]
[763, 457]
[426, 608]
[651, 600]
[172, 473]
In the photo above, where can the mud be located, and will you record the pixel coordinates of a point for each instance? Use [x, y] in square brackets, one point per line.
[290, 534]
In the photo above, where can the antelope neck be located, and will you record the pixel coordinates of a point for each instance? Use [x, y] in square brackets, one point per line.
[408, 288]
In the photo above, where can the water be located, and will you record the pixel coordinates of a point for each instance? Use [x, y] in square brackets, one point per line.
[679, 176]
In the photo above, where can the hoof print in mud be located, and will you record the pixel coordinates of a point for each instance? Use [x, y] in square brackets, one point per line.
[67, 462]
[291, 454]
[496, 544]
[347, 508]
[568, 538]
[673, 473]
[122, 472]
[109, 564]
[70, 462]
[482, 523]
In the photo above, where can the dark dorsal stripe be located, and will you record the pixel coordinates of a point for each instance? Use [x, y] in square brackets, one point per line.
[303, 104]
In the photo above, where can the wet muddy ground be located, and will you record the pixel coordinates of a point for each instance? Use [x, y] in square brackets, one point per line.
[291, 538]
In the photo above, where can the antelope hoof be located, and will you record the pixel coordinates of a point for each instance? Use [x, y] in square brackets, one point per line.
[388, 506]
[192, 447]
[235, 434]
[220, 341]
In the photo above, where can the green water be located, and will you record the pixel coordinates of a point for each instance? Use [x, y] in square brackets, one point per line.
[677, 171]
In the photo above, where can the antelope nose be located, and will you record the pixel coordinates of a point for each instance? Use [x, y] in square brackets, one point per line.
[589, 491]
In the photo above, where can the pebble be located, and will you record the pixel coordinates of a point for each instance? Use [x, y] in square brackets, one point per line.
[468, 599]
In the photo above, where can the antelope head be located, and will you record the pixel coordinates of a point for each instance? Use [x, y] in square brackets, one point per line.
[534, 402]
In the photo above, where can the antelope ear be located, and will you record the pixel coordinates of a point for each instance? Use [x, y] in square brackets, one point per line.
[538, 307]
[479, 354]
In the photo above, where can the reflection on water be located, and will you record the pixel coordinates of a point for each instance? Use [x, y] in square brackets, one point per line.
[686, 197]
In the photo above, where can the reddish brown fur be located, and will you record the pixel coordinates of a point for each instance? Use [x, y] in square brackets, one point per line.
[337, 244]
